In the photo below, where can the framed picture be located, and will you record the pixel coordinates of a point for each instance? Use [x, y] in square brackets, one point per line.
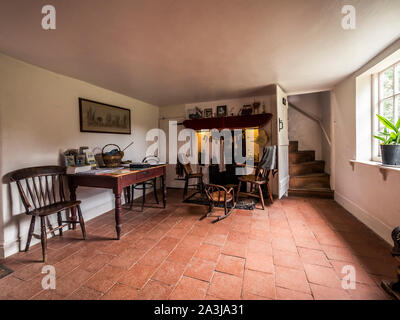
[103, 118]
[221, 111]
[208, 113]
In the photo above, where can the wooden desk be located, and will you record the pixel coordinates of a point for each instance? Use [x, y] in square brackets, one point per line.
[117, 182]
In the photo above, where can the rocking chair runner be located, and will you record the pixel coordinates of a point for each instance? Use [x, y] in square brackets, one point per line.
[42, 193]
[217, 194]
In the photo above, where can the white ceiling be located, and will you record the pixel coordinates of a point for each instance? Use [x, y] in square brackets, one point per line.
[180, 51]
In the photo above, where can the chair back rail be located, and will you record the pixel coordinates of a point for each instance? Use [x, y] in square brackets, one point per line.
[42, 184]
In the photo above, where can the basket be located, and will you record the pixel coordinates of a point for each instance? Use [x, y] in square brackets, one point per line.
[112, 161]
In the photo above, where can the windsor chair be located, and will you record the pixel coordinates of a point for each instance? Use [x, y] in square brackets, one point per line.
[216, 195]
[42, 192]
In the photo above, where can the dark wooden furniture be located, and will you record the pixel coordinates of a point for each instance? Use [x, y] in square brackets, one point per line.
[189, 174]
[117, 182]
[257, 182]
[393, 288]
[149, 184]
[234, 122]
[42, 193]
[217, 195]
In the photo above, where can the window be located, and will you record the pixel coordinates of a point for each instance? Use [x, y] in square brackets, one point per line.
[386, 98]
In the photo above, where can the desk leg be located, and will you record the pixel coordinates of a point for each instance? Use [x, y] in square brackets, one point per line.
[164, 186]
[118, 214]
[72, 192]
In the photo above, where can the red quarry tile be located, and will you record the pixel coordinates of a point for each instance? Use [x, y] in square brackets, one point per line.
[260, 235]
[28, 289]
[326, 293]
[322, 276]
[366, 292]
[291, 279]
[259, 262]
[181, 254]
[72, 281]
[189, 289]
[225, 286]
[97, 262]
[215, 239]
[104, 279]
[284, 244]
[155, 257]
[286, 294]
[191, 241]
[200, 269]
[231, 265]
[331, 239]
[239, 237]
[259, 283]
[234, 249]
[169, 272]
[167, 243]
[199, 230]
[307, 242]
[257, 246]
[155, 290]
[121, 292]
[177, 232]
[361, 275]
[137, 276]
[127, 258]
[208, 252]
[316, 257]
[250, 296]
[85, 293]
[287, 259]
[339, 253]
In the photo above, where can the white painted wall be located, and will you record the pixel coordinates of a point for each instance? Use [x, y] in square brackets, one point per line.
[39, 120]
[362, 190]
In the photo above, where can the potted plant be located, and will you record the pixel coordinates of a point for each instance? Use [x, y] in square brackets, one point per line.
[390, 146]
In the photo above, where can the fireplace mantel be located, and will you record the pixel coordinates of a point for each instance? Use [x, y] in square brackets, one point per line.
[234, 122]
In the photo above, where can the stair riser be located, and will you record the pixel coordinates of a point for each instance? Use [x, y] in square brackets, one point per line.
[310, 193]
[305, 156]
[306, 168]
[309, 182]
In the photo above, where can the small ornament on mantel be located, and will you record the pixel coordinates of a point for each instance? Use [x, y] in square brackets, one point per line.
[263, 106]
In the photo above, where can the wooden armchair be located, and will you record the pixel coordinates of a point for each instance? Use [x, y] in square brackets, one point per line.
[189, 174]
[257, 182]
[217, 195]
[42, 193]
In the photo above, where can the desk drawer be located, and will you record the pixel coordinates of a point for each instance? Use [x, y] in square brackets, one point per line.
[148, 174]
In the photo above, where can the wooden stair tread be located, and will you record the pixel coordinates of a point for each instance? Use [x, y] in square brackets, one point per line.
[307, 162]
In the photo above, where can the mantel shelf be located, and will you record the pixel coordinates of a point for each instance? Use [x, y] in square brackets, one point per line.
[234, 122]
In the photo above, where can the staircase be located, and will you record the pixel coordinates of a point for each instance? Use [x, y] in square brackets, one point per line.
[307, 176]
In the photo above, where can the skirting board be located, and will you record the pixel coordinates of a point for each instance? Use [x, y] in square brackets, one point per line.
[366, 218]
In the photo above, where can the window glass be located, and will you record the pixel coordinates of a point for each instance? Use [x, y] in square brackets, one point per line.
[397, 89]
[387, 109]
[386, 80]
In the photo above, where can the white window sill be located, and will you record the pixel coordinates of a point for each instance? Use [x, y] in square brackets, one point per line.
[375, 164]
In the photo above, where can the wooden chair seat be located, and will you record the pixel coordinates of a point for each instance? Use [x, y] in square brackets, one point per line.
[217, 196]
[252, 179]
[54, 208]
[196, 175]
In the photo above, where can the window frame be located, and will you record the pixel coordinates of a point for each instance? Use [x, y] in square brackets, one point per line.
[378, 99]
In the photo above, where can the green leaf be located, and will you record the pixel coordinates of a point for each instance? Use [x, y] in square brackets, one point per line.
[398, 124]
[387, 123]
[384, 133]
[380, 138]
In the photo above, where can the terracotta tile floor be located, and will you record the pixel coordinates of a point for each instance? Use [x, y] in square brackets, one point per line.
[295, 249]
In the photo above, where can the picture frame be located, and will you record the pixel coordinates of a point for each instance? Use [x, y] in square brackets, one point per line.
[221, 111]
[98, 117]
[208, 113]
